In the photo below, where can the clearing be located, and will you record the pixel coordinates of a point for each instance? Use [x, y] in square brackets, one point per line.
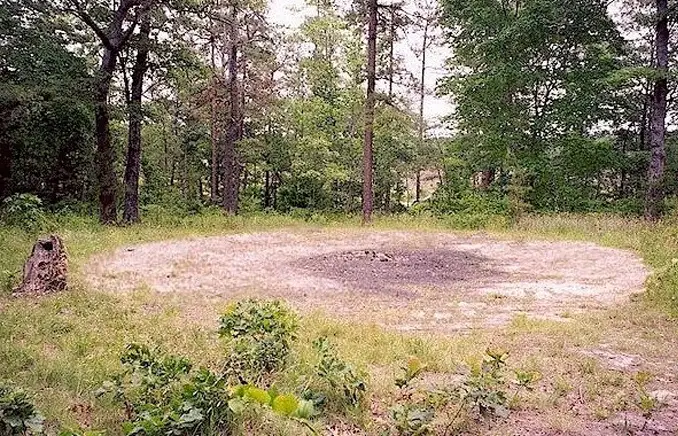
[403, 280]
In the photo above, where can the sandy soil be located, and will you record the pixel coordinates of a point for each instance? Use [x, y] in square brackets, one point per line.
[408, 281]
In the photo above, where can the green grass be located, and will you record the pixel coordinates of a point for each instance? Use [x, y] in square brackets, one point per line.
[61, 348]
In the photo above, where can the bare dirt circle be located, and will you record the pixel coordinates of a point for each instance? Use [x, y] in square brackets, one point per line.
[400, 279]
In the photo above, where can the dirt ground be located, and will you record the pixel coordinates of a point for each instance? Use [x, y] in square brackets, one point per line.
[408, 281]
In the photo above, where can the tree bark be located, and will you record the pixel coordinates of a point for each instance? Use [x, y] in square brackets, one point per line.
[368, 158]
[231, 173]
[214, 128]
[655, 194]
[113, 39]
[108, 213]
[133, 164]
[46, 270]
[422, 98]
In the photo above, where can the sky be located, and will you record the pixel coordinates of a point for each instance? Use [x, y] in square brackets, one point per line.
[292, 13]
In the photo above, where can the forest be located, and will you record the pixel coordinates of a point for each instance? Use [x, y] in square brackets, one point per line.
[116, 108]
[323, 217]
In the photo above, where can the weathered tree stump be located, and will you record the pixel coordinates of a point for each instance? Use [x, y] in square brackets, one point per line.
[46, 269]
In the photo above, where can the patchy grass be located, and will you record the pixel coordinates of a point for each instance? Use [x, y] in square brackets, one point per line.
[63, 347]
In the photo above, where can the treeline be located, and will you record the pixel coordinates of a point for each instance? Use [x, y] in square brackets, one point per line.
[185, 103]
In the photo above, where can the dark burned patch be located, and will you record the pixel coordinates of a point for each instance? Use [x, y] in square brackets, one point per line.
[396, 270]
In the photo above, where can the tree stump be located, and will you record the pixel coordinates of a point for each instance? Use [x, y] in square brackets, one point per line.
[46, 269]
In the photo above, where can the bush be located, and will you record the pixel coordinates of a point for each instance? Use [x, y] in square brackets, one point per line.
[23, 210]
[18, 415]
[260, 335]
[345, 384]
[481, 393]
[163, 396]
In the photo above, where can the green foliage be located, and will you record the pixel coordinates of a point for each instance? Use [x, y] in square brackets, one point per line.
[422, 410]
[18, 415]
[662, 286]
[23, 210]
[163, 395]
[260, 335]
[483, 390]
[287, 405]
[347, 385]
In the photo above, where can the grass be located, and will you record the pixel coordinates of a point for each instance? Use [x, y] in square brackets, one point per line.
[62, 347]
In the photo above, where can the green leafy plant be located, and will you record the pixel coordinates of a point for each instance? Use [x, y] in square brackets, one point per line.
[23, 210]
[260, 335]
[287, 405]
[342, 378]
[647, 403]
[18, 415]
[424, 410]
[484, 388]
[162, 395]
[413, 414]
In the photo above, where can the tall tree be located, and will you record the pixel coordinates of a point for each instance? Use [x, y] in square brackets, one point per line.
[426, 17]
[230, 164]
[368, 158]
[655, 195]
[113, 35]
[133, 162]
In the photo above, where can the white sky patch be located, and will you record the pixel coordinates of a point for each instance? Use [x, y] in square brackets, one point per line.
[292, 13]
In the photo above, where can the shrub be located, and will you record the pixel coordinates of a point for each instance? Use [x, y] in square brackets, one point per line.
[260, 335]
[163, 395]
[482, 392]
[18, 415]
[346, 384]
[23, 210]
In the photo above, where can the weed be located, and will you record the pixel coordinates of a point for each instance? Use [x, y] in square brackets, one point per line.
[18, 415]
[259, 335]
[23, 211]
[341, 377]
[162, 395]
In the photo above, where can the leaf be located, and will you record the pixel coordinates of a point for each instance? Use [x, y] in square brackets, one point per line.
[285, 404]
[258, 395]
[237, 405]
[193, 416]
[305, 410]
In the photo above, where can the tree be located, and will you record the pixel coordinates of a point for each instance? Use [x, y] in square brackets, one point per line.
[654, 198]
[368, 159]
[531, 84]
[113, 33]
[426, 18]
[46, 111]
[133, 162]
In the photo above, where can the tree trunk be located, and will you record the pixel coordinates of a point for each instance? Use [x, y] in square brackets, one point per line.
[133, 164]
[655, 194]
[417, 187]
[229, 159]
[267, 189]
[368, 158]
[46, 270]
[391, 50]
[422, 98]
[214, 129]
[108, 213]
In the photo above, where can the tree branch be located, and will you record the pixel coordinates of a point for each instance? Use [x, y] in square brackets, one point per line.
[84, 16]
